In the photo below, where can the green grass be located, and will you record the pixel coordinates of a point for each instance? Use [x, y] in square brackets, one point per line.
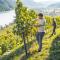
[50, 50]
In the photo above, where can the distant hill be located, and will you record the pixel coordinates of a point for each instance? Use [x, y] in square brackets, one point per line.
[55, 5]
[32, 4]
[6, 5]
[9, 4]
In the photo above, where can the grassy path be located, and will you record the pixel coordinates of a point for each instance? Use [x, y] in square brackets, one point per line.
[47, 49]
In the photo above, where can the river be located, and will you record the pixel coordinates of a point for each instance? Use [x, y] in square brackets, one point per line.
[7, 17]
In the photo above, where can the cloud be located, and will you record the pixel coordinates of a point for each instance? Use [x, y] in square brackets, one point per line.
[38, 1]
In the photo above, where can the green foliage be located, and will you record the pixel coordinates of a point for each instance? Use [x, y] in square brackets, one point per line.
[48, 20]
[3, 48]
[8, 40]
[24, 19]
[58, 20]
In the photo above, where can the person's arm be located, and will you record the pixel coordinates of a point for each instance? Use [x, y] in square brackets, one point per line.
[37, 24]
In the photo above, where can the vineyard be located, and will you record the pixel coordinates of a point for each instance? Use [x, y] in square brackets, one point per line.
[20, 38]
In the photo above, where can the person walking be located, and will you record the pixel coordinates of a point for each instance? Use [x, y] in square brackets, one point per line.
[41, 30]
[54, 26]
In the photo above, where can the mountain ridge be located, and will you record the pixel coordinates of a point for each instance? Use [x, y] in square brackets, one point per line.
[32, 4]
[6, 5]
[55, 5]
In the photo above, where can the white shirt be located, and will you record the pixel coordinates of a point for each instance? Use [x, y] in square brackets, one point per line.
[42, 23]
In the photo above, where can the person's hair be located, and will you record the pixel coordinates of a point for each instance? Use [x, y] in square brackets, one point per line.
[40, 14]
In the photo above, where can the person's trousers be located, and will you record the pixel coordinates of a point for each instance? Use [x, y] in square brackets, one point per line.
[39, 37]
[54, 30]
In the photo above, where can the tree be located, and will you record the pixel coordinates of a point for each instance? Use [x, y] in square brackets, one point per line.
[24, 22]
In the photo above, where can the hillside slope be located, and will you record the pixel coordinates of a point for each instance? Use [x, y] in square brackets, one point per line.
[6, 5]
[50, 50]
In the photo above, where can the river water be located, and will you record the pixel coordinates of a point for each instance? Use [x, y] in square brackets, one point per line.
[7, 17]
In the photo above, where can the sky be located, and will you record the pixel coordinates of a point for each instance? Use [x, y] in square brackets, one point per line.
[51, 1]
